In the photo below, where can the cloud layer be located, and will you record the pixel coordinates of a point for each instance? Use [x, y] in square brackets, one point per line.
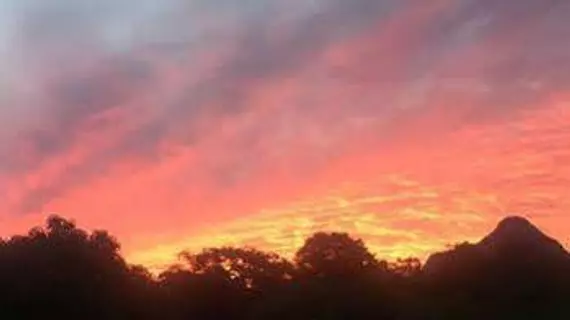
[174, 123]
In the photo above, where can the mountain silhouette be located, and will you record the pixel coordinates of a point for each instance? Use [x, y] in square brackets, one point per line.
[517, 233]
[514, 239]
[516, 271]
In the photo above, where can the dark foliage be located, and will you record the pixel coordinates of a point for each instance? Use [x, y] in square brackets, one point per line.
[67, 273]
[62, 272]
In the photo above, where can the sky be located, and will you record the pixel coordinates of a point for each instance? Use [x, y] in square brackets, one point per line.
[183, 124]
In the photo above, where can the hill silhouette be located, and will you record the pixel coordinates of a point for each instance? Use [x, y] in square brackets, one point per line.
[514, 237]
[516, 270]
[517, 232]
[59, 271]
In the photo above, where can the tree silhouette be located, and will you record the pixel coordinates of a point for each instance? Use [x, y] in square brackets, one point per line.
[335, 254]
[224, 282]
[406, 267]
[63, 271]
[338, 278]
[60, 271]
[244, 268]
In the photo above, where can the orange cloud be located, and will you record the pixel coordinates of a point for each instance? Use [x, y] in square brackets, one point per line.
[442, 194]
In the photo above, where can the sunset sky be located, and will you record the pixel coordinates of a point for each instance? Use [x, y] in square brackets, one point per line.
[182, 124]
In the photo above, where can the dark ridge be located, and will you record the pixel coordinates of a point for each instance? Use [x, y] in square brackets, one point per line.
[517, 232]
[515, 243]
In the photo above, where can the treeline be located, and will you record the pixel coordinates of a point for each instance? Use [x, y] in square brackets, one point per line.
[62, 272]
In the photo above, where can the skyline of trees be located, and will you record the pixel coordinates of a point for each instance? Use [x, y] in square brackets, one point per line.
[60, 271]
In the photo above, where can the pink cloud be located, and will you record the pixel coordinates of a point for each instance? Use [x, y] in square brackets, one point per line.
[416, 118]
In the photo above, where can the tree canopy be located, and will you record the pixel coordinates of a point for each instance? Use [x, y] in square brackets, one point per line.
[60, 271]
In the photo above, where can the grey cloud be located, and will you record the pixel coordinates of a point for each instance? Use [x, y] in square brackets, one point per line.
[70, 24]
[76, 100]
